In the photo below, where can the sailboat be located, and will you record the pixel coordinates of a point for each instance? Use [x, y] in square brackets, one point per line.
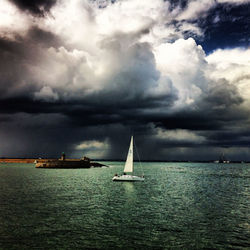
[129, 167]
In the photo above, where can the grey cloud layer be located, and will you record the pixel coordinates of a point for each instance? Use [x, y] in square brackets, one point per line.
[118, 83]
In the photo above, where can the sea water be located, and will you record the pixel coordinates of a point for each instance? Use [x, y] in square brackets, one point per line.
[179, 205]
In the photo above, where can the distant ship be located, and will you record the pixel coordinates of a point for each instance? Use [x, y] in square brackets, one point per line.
[222, 159]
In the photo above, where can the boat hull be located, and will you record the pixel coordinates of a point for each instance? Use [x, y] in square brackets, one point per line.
[131, 178]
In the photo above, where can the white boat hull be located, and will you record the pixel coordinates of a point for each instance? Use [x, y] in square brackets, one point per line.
[128, 178]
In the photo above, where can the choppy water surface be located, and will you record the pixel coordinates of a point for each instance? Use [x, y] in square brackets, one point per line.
[180, 205]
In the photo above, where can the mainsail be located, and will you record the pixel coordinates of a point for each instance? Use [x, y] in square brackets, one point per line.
[129, 162]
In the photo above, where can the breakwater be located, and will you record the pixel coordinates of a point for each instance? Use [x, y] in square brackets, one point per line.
[17, 160]
[69, 163]
[54, 163]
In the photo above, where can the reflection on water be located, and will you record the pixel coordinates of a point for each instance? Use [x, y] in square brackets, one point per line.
[129, 189]
[179, 205]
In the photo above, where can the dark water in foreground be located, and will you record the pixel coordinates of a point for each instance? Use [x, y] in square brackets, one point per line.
[180, 205]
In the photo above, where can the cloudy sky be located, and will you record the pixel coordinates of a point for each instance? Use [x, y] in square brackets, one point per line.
[81, 76]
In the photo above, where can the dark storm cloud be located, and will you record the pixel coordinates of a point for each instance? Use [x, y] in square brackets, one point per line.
[124, 94]
[177, 3]
[18, 57]
[26, 48]
[23, 138]
[215, 110]
[217, 117]
[43, 37]
[86, 112]
[223, 96]
[229, 137]
[210, 120]
[26, 104]
[35, 7]
[13, 67]
[116, 103]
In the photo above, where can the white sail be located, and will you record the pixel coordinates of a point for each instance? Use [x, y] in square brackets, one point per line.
[129, 162]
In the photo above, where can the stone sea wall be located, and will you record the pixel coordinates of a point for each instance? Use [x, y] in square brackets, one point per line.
[17, 160]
